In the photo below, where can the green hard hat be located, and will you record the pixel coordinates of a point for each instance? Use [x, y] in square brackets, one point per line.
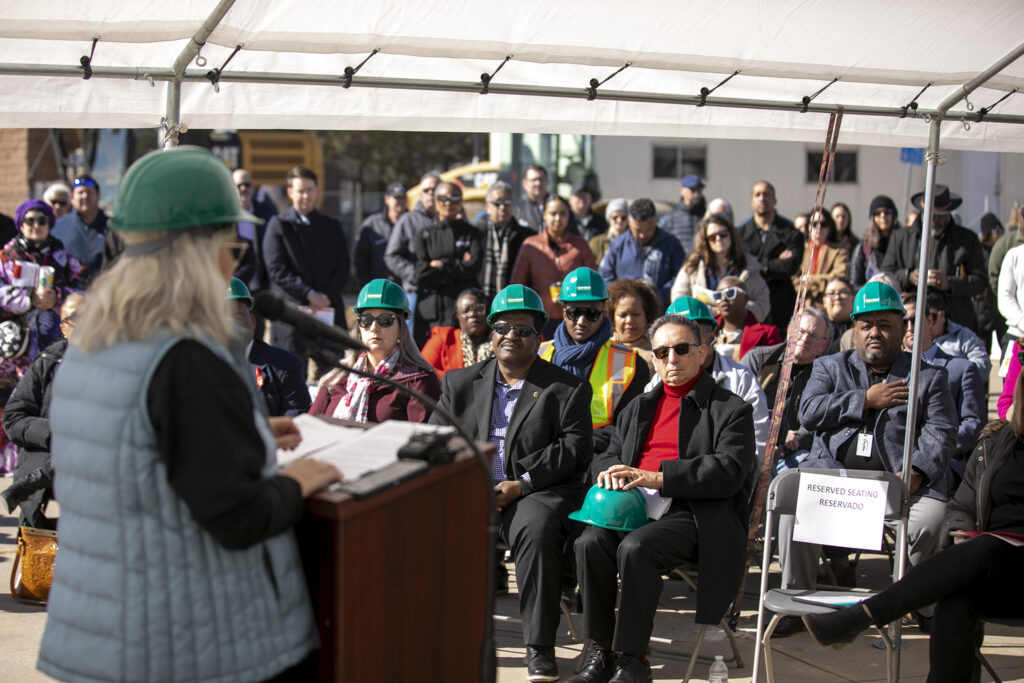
[610, 509]
[177, 188]
[516, 298]
[694, 309]
[877, 296]
[583, 284]
[237, 291]
[381, 293]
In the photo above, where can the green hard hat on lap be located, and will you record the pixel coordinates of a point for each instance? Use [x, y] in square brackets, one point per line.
[610, 509]
[693, 309]
[877, 296]
[516, 298]
[583, 284]
[237, 291]
[175, 189]
[381, 293]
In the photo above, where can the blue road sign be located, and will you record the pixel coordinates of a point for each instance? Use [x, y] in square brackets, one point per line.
[912, 155]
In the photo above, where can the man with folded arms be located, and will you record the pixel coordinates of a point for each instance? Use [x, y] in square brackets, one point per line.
[691, 442]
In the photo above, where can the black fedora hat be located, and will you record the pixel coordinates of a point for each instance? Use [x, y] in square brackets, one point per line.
[944, 202]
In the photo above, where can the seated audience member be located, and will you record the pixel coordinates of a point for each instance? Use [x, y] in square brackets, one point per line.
[855, 401]
[632, 306]
[450, 348]
[617, 215]
[811, 340]
[537, 417]
[381, 312]
[966, 388]
[646, 252]
[692, 442]
[739, 331]
[726, 372]
[822, 262]
[26, 420]
[583, 346]
[970, 579]
[718, 253]
[956, 340]
[280, 376]
[838, 305]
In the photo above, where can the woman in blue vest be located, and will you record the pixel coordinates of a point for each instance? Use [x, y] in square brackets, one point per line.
[177, 561]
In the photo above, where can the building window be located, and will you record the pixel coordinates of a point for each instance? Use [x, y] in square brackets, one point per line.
[675, 162]
[844, 167]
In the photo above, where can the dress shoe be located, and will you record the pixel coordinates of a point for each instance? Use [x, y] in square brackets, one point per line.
[787, 626]
[837, 628]
[598, 668]
[540, 664]
[630, 669]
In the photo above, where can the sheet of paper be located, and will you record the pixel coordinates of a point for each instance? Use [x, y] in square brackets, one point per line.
[324, 315]
[843, 600]
[1013, 539]
[657, 505]
[840, 511]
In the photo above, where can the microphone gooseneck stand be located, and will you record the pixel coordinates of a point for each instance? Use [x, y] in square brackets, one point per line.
[488, 662]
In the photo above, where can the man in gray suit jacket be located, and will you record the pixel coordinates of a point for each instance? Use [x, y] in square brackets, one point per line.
[537, 416]
[857, 400]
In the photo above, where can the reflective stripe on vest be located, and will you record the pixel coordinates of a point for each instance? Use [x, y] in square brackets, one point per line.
[611, 373]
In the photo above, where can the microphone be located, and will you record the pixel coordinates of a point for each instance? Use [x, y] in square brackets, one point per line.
[273, 307]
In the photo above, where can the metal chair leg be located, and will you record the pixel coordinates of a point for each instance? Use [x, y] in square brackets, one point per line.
[766, 645]
[696, 652]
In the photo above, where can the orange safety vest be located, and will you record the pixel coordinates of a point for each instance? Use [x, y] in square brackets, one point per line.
[610, 375]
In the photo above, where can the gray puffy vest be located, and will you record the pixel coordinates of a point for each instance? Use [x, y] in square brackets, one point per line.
[140, 591]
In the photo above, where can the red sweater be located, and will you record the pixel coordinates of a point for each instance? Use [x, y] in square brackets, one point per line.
[663, 440]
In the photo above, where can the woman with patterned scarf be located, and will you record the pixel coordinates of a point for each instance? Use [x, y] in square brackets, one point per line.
[469, 342]
[30, 305]
[381, 312]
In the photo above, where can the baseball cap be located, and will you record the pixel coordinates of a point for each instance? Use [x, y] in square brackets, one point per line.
[692, 180]
[396, 190]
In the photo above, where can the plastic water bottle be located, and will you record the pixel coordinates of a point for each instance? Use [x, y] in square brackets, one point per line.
[719, 672]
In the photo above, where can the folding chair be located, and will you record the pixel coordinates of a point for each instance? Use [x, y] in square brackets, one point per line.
[782, 500]
[1003, 621]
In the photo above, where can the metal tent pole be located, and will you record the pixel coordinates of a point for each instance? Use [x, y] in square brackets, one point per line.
[172, 113]
[932, 159]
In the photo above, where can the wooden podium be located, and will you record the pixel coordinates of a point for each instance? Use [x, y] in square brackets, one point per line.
[398, 580]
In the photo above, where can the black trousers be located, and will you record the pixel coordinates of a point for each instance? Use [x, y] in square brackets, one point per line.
[639, 558]
[970, 580]
[536, 529]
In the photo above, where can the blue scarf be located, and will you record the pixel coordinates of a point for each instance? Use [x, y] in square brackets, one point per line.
[577, 358]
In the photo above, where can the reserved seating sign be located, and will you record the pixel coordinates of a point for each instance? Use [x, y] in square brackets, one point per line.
[840, 511]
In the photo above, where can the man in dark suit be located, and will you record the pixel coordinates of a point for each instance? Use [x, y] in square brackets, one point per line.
[538, 418]
[779, 249]
[280, 375]
[307, 257]
[691, 443]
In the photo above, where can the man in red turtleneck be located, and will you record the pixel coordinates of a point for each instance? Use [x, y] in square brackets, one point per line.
[691, 443]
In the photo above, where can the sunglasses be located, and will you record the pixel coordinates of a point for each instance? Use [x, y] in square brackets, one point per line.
[504, 329]
[718, 236]
[500, 202]
[475, 308]
[236, 249]
[366, 320]
[448, 199]
[83, 182]
[727, 294]
[58, 202]
[681, 349]
[243, 186]
[36, 221]
[591, 314]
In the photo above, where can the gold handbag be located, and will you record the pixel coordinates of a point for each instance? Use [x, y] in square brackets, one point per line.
[32, 574]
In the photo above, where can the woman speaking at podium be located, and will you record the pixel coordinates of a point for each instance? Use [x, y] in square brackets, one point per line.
[381, 311]
[176, 560]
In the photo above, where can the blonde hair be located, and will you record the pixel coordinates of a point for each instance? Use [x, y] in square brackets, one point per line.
[408, 354]
[177, 288]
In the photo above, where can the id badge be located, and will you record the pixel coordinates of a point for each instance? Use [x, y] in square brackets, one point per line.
[864, 442]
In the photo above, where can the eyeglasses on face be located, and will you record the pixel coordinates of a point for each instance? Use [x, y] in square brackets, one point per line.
[591, 314]
[366, 320]
[727, 294]
[35, 221]
[500, 202]
[84, 182]
[236, 249]
[479, 309]
[681, 349]
[504, 329]
[244, 185]
[842, 294]
[717, 236]
[58, 202]
[448, 199]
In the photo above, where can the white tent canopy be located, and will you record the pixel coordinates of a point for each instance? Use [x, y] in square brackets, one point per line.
[427, 73]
